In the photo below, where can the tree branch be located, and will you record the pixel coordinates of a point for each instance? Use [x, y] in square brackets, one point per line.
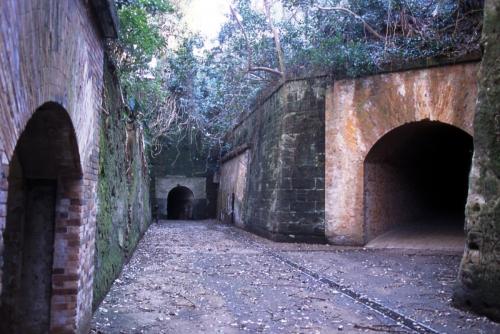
[276, 36]
[250, 67]
[243, 31]
[356, 16]
[265, 69]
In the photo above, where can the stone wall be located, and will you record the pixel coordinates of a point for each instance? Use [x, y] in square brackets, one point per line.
[478, 280]
[185, 162]
[231, 201]
[52, 51]
[197, 185]
[124, 211]
[361, 111]
[285, 194]
[285, 177]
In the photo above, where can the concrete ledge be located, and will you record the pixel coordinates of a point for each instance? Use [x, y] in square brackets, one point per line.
[235, 152]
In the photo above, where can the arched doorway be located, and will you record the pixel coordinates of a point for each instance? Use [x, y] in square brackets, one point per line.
[43, 217]
[416, 178]
[180, 203]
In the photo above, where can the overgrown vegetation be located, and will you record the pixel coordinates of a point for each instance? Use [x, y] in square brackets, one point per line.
[177, 90]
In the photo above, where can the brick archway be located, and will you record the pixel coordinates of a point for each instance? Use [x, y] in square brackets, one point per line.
[416, 182]
[359, 112]
[54, 52]
[45, 212]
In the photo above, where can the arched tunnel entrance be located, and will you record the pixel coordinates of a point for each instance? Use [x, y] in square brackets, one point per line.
[180, 202]
[45, 167]
[416, 182]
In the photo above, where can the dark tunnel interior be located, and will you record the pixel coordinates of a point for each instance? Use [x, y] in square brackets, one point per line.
[45, 159]
[417, 174]
[180, 202]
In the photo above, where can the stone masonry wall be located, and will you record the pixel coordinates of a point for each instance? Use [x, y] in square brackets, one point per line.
[185, 164]
[361, 111]
[233, 184]
[285, 180]
[199, 186]
[51, 51]
[124, 211]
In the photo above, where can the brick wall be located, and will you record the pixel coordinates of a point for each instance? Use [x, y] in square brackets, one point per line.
[361, 111]
[51, 51]
[291, 192]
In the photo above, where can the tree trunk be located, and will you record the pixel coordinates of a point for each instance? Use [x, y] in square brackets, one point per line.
[276, 35]
[478, 284]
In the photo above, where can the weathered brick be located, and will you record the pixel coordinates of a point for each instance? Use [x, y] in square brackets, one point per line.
[286, 133]
[71, 74]
[360, 111]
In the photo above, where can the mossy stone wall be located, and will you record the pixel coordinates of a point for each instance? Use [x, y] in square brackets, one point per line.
[479, 277]
[124, 212]
[285, 189]
[185, 157]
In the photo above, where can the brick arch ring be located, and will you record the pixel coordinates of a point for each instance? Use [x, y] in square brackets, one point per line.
[46, 154]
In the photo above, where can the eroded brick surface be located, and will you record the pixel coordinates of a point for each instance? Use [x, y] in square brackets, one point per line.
[359, 112]
[51, 51]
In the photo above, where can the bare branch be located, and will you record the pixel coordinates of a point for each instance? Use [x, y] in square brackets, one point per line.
[356, 16]
[265, 69]
[243, 31]
[250, 67]
[276, 36]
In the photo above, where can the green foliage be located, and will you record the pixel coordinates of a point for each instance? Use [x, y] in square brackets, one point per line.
[146, 26]
[196, 94]
[336, 41]
[328, 41]
[141, 39]
[140, 36]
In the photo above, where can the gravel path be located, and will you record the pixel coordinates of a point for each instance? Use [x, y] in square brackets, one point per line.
[204, 277]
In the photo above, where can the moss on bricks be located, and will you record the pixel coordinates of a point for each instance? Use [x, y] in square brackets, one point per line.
[123, 193]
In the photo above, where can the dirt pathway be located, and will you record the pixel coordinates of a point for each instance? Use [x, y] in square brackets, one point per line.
[204, 277]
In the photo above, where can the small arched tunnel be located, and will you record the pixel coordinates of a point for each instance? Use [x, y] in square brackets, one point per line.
[180, 202]
[44, 167]
[416, 183]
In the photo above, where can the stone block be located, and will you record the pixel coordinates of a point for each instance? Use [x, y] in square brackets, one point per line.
[302, 183]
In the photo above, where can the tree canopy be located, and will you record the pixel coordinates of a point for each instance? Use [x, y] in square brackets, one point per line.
[178, 89]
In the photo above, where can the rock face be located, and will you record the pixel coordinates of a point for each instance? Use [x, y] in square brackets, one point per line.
[51, 81]
[479, 277]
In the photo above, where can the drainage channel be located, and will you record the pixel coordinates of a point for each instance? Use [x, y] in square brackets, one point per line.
[399, 318]
[371, 304]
